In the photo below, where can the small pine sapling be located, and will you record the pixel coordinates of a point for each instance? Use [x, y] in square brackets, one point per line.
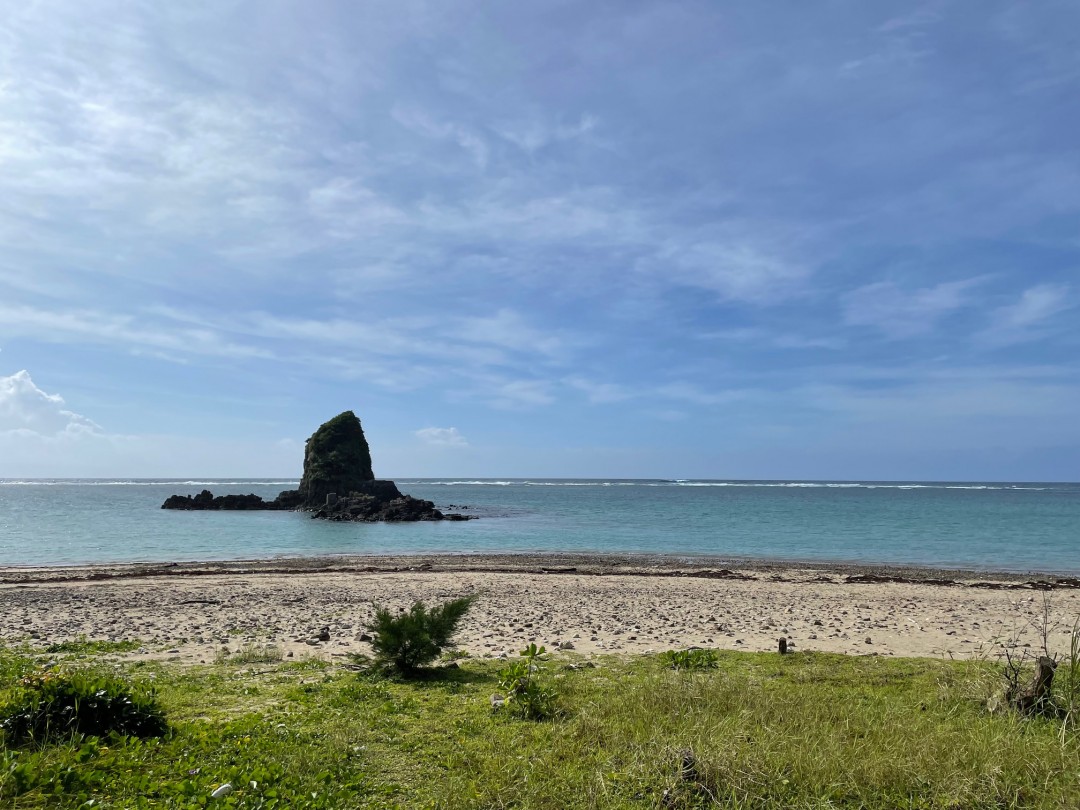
[408, 641]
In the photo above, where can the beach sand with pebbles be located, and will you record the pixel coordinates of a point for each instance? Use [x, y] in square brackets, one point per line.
[588, 605]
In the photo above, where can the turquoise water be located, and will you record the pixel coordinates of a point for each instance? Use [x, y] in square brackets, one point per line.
[1008, 527]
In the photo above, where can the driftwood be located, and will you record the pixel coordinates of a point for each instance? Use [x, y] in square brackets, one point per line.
[1036, 697]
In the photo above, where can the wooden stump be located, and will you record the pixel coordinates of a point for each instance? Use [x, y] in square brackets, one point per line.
[1036, 697]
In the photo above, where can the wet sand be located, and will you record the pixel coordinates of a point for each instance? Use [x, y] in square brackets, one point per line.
[585, 604]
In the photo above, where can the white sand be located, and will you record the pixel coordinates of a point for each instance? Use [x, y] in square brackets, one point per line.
[192, 618]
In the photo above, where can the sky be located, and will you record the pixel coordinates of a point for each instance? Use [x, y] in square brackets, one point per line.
[834, 240]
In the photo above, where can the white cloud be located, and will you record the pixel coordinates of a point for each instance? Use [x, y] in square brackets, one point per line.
[443, 437]
[25, 408]
[901, 313]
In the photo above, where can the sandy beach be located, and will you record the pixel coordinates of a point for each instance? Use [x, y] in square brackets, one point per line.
[581, 605]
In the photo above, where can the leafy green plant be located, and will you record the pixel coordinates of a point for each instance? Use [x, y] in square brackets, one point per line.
[410, 640]
[527, 693]
[52, 704]
[688, 660]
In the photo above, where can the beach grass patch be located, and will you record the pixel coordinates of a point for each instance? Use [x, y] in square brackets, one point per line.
[806, 730]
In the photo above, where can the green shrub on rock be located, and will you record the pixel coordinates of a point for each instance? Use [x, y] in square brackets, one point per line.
[407, 641]
[53, 704]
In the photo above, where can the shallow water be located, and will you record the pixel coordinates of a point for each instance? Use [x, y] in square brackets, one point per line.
[973, 525]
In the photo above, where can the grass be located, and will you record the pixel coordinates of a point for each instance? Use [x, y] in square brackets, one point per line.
[85, 647]
[757, 731]
[251, 654]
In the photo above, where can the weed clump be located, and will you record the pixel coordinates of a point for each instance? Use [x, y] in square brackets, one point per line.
[527, 693]
[688, 660]
[410, 640]
[53, 704]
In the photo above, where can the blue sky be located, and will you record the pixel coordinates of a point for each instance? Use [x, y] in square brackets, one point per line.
[678, 239]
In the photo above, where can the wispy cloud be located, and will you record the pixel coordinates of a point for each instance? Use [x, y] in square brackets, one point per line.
[600, 393]
[1028, 318]
[127, 332]
[758, 337]
[902, 313]
[442, 437]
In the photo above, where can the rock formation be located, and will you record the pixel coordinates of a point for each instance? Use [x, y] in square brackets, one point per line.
[336, 459]
[206, 500]
[337, 484]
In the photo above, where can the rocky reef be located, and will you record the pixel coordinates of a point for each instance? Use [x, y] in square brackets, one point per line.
[337, 484]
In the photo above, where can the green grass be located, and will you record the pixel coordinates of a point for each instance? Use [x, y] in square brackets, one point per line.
[765, 731]
[251, 654]
[86, 647]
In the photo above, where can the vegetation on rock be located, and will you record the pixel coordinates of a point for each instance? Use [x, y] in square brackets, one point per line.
[336, 460]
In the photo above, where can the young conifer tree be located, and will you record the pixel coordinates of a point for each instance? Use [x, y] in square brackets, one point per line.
[407, 641]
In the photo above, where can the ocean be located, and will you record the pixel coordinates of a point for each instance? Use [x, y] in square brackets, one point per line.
[980, 526]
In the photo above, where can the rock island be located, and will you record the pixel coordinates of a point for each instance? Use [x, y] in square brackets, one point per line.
[338, 484]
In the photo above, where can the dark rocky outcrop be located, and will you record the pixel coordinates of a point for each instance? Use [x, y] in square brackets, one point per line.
[337, 484]
[206, 500]
[336, 460]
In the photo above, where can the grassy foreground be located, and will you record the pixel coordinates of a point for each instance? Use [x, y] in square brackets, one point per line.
[759, 731]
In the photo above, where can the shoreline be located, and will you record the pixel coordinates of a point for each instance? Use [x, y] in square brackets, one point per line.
[551, 563]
